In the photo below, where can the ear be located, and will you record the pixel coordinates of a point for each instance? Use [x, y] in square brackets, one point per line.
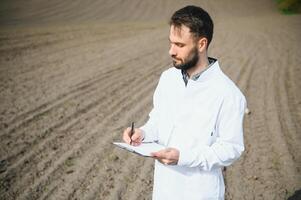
[202, 44]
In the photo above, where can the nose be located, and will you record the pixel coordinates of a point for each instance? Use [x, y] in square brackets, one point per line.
[172, 51]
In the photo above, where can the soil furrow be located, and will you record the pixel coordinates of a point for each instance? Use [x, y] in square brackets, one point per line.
[82, 141]
[81, 90]
[76, 114]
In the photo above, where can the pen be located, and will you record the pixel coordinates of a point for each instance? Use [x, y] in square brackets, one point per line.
[132, 131]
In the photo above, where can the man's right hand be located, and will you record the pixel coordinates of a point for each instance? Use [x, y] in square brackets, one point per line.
[136, 138]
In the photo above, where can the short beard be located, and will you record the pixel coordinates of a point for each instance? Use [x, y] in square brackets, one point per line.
[190, 63]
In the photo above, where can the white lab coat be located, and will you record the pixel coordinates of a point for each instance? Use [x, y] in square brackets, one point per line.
[204, 121]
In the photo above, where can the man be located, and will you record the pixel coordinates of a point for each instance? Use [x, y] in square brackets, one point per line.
[197, 114]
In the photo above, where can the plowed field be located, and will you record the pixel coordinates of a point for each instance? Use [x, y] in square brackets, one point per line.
[74, 74]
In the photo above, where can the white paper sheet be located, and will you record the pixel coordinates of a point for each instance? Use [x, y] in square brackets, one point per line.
[145, 149]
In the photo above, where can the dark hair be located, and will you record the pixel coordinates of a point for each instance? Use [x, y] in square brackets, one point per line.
[196, 19]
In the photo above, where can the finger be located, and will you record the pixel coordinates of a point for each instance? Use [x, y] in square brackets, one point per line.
[162, 153]
[128, 130]
[159, 154]
[136, 143]
[126, 136]
[156, 154]
[164, 161]
[136, 136]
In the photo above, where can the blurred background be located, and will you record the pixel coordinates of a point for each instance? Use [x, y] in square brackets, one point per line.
[74, 74]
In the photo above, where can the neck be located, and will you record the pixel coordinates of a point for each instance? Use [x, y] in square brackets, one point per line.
[200, 66]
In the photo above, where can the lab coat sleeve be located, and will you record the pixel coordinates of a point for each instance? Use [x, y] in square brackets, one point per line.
[150, 128]
[228, 145]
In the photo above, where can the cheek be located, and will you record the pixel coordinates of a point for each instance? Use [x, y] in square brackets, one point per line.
[186, 56]
[181, 53]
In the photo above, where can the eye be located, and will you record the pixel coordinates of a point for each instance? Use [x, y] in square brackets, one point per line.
[180, 45]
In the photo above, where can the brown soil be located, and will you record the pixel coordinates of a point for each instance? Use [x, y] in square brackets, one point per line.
[74, 74]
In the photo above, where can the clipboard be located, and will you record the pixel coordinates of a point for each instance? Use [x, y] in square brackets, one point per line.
[144, 149]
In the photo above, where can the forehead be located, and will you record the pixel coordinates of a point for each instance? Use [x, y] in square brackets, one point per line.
[182, 33]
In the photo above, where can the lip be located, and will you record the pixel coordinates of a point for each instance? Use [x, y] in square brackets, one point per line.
[176, 60]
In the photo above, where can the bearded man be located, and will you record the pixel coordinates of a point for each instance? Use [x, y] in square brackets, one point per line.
[197, 114]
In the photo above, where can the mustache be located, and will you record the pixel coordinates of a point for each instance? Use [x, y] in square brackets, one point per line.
[175, 58]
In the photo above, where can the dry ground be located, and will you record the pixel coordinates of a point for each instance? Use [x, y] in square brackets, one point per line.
[74, 74]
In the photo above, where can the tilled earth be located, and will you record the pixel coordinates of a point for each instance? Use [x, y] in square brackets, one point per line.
[74, 74]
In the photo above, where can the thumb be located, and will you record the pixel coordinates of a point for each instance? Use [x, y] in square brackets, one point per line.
[156, 154]
[135, 136]
[153, 154]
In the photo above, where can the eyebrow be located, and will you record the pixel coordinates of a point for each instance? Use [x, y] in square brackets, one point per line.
[174, 42]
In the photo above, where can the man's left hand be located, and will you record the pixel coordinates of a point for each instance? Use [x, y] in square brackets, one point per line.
[168, 156]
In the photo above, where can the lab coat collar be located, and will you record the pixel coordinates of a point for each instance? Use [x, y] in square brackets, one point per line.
[209, 72]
